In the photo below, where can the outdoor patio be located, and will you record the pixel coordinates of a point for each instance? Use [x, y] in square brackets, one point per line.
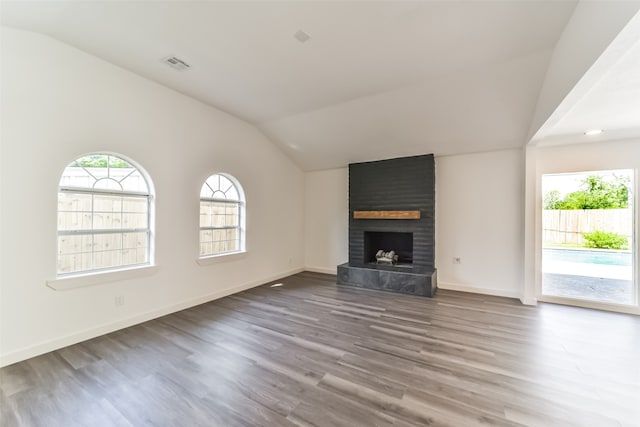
[584, 287]
[592, 274]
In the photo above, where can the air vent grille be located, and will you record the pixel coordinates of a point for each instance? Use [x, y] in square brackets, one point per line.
[176, 63]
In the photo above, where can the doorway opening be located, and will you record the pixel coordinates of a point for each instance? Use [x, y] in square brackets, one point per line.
[588, 237]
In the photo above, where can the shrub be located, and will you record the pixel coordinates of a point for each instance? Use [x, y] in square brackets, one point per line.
[604, 240]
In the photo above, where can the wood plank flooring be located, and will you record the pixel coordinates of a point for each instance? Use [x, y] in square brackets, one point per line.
[311, 353]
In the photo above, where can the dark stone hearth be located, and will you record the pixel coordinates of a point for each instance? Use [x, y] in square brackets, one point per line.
[404, 184]
[406, 280]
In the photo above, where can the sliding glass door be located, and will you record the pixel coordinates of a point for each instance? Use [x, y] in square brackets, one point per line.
[588, 238]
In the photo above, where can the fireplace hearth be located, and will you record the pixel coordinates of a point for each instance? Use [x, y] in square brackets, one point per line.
[392, 208]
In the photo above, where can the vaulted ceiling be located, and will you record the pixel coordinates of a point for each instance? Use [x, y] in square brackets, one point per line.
[376, 79]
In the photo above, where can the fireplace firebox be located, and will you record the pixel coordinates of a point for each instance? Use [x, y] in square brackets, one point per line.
[398, 242]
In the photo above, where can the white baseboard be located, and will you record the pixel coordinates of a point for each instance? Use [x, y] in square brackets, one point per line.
[323, 270]
[58, 343]
[483, 291]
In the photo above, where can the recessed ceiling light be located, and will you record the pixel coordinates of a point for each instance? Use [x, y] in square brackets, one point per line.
[593, 132]
[301, 36]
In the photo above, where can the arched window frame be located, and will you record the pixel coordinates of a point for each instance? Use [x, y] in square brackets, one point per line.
[228, 197]
[130, 238]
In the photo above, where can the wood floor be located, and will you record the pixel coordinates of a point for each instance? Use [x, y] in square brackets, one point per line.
[311, 353]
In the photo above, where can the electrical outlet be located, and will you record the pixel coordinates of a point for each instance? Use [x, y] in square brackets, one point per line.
[457, 260]
[119, 300]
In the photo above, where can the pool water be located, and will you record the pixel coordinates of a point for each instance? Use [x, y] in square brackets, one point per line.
[588, 256]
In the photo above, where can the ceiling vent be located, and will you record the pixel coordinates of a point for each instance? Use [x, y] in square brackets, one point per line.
[176, 63]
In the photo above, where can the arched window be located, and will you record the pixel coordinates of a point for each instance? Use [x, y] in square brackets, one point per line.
[104, 215]
[221, 216]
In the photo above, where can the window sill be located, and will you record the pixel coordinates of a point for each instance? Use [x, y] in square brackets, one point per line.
[216, 259]
[80, 281]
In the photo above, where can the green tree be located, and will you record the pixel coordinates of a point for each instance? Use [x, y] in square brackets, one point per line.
[552, 199]
[100, 161]
[595, 193]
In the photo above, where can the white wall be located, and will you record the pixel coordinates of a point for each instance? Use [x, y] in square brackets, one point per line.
[479, 210]
[59, 103]
[478, 218]
[326, 216]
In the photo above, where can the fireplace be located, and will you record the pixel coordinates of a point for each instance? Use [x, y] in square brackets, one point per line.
[392, 208]
[400, 243]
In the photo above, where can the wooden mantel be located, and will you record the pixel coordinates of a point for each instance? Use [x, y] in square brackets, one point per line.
[386, 214]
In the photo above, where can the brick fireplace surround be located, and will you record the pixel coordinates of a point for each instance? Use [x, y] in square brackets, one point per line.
[392, 207]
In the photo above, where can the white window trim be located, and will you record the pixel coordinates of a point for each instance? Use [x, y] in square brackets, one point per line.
[99, 277]
[206, 260]
[89, 277]
[216, 258]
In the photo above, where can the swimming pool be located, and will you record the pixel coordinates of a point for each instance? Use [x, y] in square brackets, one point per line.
[586, 256]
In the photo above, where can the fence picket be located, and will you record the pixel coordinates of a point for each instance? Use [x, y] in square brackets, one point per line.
[567, 226]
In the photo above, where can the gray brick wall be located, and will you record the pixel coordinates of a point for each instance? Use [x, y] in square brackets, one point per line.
[406, 183]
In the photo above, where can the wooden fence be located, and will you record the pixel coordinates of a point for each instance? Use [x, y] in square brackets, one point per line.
[567, 226]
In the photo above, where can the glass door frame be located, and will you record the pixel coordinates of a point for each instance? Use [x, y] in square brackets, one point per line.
[579, 302]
